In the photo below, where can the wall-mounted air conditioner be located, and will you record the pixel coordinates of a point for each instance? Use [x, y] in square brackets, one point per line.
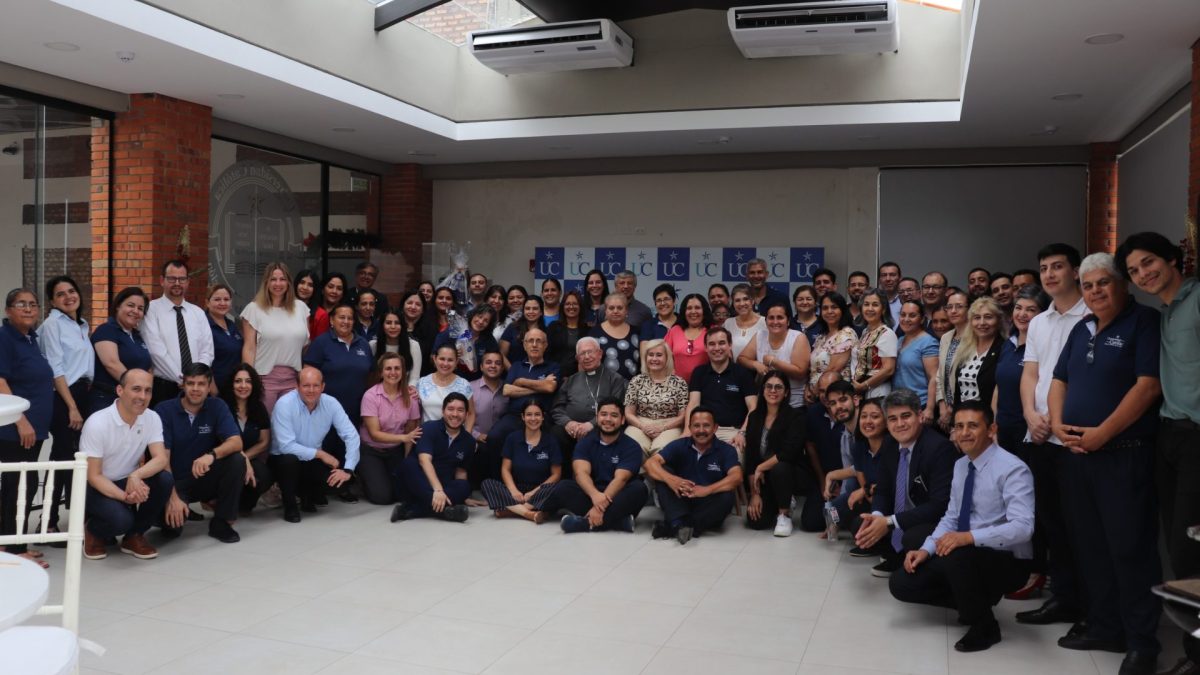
[815, 27]
[574, 45]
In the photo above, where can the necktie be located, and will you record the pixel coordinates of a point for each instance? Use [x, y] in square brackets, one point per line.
[901, 496]
[185, 351]
[964, 508]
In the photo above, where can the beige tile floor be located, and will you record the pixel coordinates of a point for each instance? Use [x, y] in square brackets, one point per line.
[346, 592]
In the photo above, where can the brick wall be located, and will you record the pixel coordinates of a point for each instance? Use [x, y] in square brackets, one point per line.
[406, 222]
[159, 165]
[454, 20]
[1102, 198]
[79, 268]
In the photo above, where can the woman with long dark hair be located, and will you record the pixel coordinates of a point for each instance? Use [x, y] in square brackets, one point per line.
[394, 338]
[420, 326]
[595, 289]
[227, 339]
[873, 360]
[564, 333]
[551, 297]
[775, 464]
[243, 393]
[530, 468]
[305, 285]
[473, 344]
[686, 338]
[333, 293]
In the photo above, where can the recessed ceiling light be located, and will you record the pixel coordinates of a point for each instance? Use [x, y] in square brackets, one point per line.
[1067, 97]
[61, 46]
[231, 97]
[344, 130]
[1104, 38]
[1048, 130]
[126, 57]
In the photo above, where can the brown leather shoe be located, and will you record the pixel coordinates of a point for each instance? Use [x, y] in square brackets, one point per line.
[137, 546]
[94, 547]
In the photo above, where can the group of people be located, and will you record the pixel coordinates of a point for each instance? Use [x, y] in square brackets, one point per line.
[978, 441]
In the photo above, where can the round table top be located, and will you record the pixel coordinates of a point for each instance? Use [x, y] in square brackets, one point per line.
[24, 586]
[11, 408]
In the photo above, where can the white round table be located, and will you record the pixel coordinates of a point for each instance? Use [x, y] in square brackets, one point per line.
[24, 586]
[11, 408]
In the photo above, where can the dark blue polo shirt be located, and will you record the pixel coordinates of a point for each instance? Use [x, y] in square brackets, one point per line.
[724, 392]
[345, 368]
[771, 298]
[528, 371]
[625, 453]
[685, 461]
[227, 350]
[653, 329]
[531, 466]
[1009, 368]
[367, 333]
[131, 350]
[1126, 349]
[251, 434]
[188, 439]
[447, 456]
[826, 435]
[864, 462]
[29, 376]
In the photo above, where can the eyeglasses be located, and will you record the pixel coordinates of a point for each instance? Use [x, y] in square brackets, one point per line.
[175, 280]
[773, 386]
[25, 304]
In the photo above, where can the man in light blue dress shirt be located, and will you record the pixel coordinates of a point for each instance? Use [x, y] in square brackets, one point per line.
[981, 547]
[301, 420]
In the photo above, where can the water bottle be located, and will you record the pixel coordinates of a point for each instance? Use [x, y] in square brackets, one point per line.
[831, 522]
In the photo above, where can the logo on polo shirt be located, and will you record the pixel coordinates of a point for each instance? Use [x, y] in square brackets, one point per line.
[1114, 341]
[204, 429]
[732, 388]
[543, 455]
[360, 352]
[712, 466]
[616, 459]
[458, 455]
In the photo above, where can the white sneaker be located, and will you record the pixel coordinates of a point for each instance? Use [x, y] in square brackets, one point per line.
[783, 526]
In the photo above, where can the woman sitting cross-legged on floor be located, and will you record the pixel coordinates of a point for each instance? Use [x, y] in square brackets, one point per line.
[530, 470]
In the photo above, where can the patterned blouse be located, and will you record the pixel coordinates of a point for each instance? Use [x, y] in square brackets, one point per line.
[826, 347]
[657, 400]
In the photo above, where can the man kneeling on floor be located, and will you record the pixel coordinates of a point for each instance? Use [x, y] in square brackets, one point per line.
[980, 549]
[124, 498]
[205, 449]
[695, 478]
[433, 479]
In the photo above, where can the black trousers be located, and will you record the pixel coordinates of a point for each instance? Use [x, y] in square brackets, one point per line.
[1178, 472]
[164, 390]
[377, 472]
[11, 451]
[66, 444]
[1112, 515]
[1052, 477]
[701, 513]
[972, 579]
[223, 483]
[263, 479]
[305, 480]
[628, 502]
[784, 481]
[1011, 438]
[567, 445]
[912, 539]
[494, 448]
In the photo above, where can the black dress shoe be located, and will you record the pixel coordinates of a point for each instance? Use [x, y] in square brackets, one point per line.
[1052, 611]
[661, 530]
[320, 500]
[979, 637]
[221, 531]
[1138, 663]
[195, 516]
[1088, 643]
[169, 533]
[308, 505]
[1078, 628]
[347, 497]
[291, 513]
[1184, 666]
[401, 511]
[456, 514]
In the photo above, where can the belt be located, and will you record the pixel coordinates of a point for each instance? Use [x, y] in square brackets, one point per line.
[1128, 444]
[1180, 424]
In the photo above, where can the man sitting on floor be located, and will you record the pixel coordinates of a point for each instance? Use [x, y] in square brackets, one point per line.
[433, 479]
[695, 480]
[205, 446]
[605, 494]
[980, 549]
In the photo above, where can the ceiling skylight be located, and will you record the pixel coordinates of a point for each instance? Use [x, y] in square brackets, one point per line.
[454, 20]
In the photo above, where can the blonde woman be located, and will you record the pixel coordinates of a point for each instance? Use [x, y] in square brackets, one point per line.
[974, 364]
[275, 331]
[655, 400]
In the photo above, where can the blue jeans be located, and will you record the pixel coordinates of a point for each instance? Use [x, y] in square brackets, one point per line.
[108, 517]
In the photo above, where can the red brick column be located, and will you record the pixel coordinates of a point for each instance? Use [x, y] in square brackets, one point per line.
[159, 165]
[1102, 199]
[406, 222]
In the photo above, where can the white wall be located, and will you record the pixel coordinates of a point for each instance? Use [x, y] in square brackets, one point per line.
[1152, 187]
[504, 219]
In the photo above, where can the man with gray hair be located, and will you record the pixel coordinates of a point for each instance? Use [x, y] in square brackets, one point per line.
[764, 296]
[1102, 406]
[916, 466]
[638, 312]
[577, 400]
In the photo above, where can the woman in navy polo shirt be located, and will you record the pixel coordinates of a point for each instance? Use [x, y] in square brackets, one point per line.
[227, 339]
[243, 393]
[119, 347]
[529, 471]
[24, 372]
[364, 324]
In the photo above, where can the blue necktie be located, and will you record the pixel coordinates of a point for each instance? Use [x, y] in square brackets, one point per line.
[901, 497]
[964, 508]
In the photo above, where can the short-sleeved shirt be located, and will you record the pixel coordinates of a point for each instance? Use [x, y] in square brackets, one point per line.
[227, 350]
[654, 329]
[866, 359]
[281, 335]
[448, 455]
[131, 351]
[865, 462]
[190, 437]
[29, 376]
[391, 414]
[1009, 368]
[725, 392]
[686, 353]
[910, 366]
[531, 464]
[1126, 349]
[528, 371]
[657, 400]
[683, 459]
[432, 395]
[1180, 358]
[825, 348]
[1044, 342]
[489, 405]
[606, 459]
[621, 355]
[119, 446]
[740, 337]
[345, 367]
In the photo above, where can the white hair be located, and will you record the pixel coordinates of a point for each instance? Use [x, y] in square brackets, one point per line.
[587, 340]
[1099, 261]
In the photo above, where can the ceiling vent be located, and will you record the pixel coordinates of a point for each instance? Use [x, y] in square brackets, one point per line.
[574, 45]
[815, 27]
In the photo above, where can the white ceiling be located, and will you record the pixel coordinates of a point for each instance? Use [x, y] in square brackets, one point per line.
[1024, 52]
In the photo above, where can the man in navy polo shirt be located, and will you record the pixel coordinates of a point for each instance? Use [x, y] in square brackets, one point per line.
[605, 494]
[433, 479]
[1106, 383]
[532, 378]
[205, 447]
[695, 480]
[723, 387]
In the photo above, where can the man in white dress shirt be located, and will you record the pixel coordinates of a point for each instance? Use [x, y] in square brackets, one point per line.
[176, 332]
